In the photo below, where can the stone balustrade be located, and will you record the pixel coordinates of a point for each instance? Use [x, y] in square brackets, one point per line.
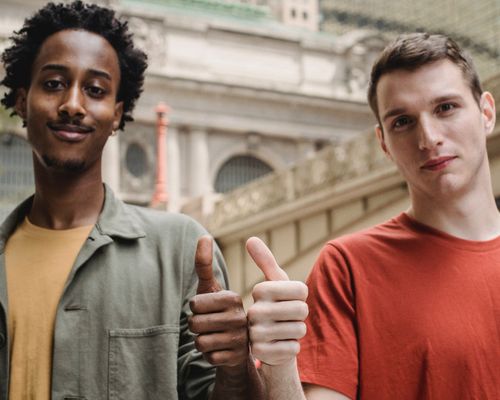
[331, 166]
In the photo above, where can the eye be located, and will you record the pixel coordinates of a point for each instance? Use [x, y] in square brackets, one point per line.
[95, 91]
[445, 107]
[401, 122]
[53, 84]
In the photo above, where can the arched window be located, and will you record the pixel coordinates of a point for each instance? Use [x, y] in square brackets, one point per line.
[239, 170]
[16, 172]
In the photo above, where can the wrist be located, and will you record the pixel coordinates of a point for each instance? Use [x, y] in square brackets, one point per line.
[286, 369]
[236, 371]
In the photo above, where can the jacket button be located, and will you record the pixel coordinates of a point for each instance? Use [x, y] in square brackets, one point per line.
[2, 340]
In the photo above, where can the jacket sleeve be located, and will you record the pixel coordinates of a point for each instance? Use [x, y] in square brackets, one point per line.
[196, 376]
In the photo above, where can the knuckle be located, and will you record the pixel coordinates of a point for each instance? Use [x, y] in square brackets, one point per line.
[193, 324]
[233, 299]
[258, 349]
[235, 319]
[240, 319]
[200, 344]
[302, 329]
[217, 358]
[303, 310]
[254, 313]
[211, 358]
[239, 340]
[256, 332]
[192, 304]
[295, 347]
[304, 291]
[260, 290]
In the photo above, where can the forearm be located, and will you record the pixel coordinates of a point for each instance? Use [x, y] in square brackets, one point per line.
[282, 382]
[238, 383]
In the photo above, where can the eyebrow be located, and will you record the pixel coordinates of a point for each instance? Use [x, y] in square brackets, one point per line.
[63, 68]
[393, 112]
[437, 100]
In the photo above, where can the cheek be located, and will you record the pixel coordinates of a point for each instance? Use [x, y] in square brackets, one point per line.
[402, 154]
[102, 113]
[37, 107]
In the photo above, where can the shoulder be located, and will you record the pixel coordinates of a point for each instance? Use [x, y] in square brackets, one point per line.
[360, 250]
[388, 233]
[166, 223]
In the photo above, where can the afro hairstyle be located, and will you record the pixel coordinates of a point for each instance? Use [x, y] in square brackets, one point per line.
[52, 18]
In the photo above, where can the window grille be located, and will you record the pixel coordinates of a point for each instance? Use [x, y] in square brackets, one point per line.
[136, 160]
[16, 172]
[239, 170]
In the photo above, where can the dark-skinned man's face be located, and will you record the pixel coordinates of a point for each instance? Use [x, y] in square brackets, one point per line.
[70, 107]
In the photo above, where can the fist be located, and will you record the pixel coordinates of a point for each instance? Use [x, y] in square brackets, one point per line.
[218, 319]
[276, 319]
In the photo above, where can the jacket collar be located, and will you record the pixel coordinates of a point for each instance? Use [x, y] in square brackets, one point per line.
[115, 220]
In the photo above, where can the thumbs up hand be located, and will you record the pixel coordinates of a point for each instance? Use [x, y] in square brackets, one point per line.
[276, 319]
[218, 315]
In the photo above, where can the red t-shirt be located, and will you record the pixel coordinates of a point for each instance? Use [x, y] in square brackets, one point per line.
[402, 311]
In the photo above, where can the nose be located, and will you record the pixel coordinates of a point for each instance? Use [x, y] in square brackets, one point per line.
[72, 103]
[429, 135]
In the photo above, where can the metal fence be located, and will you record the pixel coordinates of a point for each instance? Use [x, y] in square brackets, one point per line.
[16, 172]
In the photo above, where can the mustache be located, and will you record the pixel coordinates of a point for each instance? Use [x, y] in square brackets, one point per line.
[70, 126]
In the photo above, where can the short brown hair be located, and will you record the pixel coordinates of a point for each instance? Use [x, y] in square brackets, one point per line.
[415, 50]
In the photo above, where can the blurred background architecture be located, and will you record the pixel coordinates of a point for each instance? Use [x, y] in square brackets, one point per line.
[269, 132]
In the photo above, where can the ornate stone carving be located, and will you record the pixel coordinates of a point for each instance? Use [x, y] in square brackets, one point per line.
[331, 166]
[150, 36]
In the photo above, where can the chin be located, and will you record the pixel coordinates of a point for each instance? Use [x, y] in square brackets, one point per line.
[68, 165]
[453, 186]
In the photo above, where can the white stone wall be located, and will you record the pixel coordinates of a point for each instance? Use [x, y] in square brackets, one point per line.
[226, 80]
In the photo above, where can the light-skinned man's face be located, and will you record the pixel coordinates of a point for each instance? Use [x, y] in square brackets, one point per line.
[434, 130]
[70, 108]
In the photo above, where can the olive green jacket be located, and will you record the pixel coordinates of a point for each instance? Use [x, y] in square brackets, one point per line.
[121, 326]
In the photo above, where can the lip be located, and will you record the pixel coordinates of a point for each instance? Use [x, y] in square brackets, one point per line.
[69, 132]
[438, 163]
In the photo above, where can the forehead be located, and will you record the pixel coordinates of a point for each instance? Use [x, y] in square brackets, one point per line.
[421, 86]
[78, 49]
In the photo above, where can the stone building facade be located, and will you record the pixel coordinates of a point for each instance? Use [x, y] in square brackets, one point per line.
[246, 93]
[475, 24]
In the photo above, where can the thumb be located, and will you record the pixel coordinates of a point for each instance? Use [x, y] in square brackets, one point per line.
[203, 266]
[265, 260]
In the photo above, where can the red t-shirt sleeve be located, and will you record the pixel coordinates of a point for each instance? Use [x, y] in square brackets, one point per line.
[329, 353]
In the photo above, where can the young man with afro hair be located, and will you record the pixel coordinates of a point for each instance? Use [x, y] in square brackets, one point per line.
[99, 299]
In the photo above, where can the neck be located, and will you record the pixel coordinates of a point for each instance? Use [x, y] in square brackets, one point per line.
[65, 200]
[472, 216]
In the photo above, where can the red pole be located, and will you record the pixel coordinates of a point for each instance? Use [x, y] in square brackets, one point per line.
[160, 195]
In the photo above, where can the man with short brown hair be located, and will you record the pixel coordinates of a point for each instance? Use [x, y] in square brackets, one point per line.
[408, 309]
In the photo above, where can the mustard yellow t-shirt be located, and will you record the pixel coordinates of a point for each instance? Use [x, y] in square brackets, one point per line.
[38, 262]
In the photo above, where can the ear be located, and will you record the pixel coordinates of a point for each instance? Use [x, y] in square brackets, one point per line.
[20, 105]
[380, 136]
[118, 115]
[488, 112]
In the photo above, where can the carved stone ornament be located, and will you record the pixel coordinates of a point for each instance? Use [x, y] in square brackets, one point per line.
[331, 166]
[150, 36]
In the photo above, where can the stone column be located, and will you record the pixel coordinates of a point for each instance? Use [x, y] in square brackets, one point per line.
[199, 175]
[111, 162]
[173, 163]
[160, 195]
